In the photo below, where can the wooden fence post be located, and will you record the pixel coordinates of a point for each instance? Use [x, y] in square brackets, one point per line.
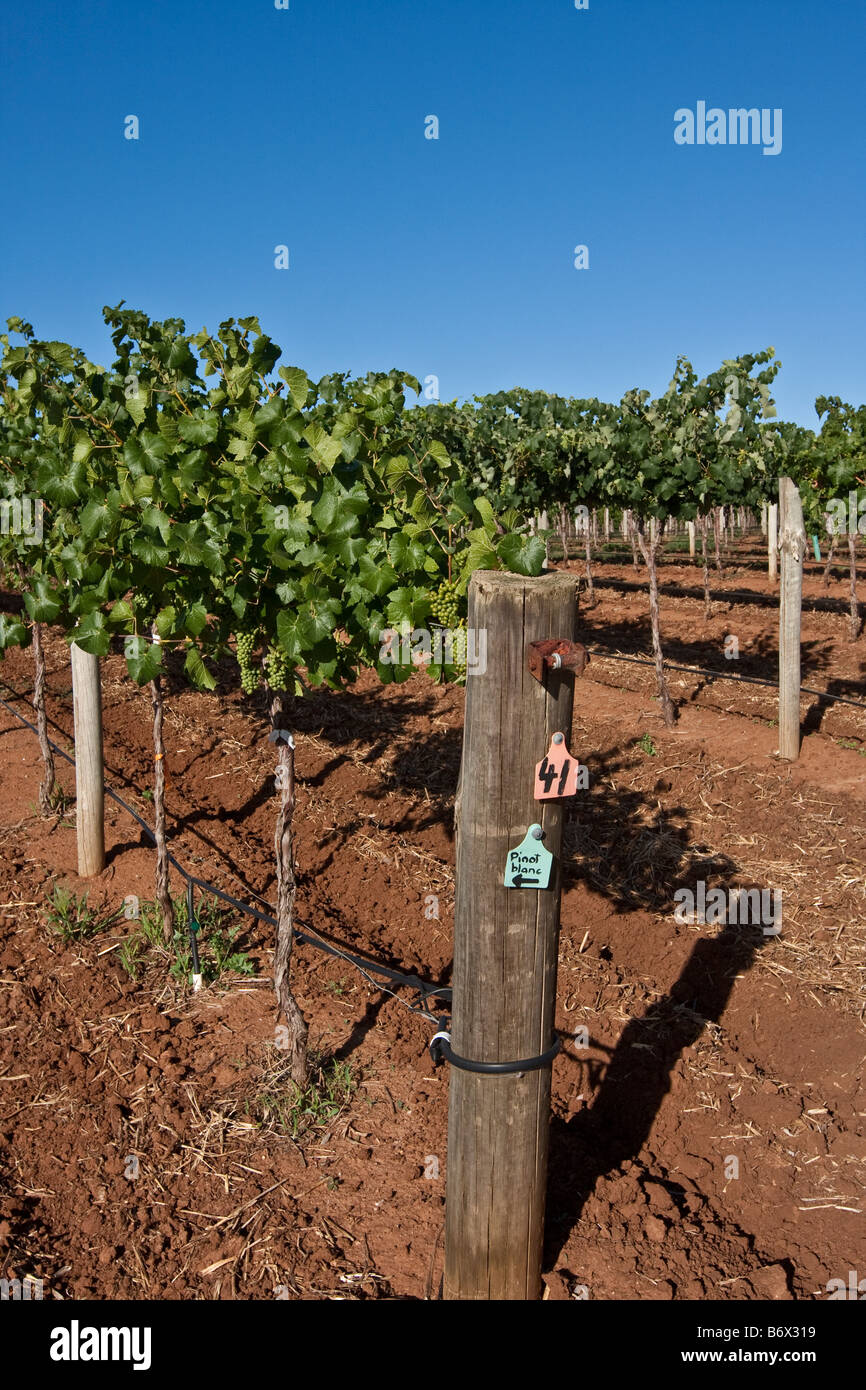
[505, 944]
[89, 770]
[772, 540]
[793, 547]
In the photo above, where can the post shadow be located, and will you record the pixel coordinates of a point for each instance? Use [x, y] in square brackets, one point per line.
[614, 1129]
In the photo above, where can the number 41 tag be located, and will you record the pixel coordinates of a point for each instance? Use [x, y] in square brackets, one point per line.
[558, 774]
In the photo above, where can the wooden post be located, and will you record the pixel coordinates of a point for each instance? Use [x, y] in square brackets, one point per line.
[793, 548]
[772, 540]
[542, 526]
[89, 770]
[505, 944]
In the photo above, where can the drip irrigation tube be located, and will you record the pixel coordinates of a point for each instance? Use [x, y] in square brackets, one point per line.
[724, 676]
[306, 935]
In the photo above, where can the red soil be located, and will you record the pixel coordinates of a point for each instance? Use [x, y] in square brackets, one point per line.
[703, 1047]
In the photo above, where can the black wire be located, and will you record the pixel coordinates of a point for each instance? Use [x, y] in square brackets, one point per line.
[361, 963]
[725, 676]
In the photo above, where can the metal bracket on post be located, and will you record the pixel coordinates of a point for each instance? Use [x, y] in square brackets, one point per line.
[556, 654]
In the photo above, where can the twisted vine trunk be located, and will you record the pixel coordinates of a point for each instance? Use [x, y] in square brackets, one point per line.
[590, 588]
[46, 786]
[829, 565]
[717, 538]
[706, 564]
[563, 533]
[283, 846]
[631, 537]
[649, 549]
[163, 890]
[855, 607]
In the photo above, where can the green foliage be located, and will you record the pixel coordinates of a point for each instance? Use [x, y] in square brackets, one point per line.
[217, 945]
[290, 512]
[194, 496]
[835, 467]
[297, 1111]
[70, 918]
[702, 444]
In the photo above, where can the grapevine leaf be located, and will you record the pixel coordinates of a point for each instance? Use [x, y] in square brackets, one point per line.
[143, 659]
[298, 383]
[522, 554]
[197, 671]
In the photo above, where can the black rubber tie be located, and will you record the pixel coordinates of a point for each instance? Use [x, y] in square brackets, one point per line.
[440, 1047]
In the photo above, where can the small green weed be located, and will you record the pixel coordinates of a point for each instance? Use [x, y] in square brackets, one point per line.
[60, 803]
[131, 954]
[218, 953]
[295, 1111]
[647, 746]
[70, 917]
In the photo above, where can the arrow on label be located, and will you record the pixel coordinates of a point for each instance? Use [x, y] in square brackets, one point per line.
[536, 859]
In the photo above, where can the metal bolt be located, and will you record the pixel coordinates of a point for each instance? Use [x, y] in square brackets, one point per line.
[536, 831]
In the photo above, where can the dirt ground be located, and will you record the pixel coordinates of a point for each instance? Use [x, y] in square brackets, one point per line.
[708, 1144]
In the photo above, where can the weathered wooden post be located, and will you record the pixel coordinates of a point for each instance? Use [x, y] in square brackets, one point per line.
[89, 770]
[793, 542]
[505, 939]
[772, 540]
[542, 525]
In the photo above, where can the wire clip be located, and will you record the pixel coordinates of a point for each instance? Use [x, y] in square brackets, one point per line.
[440, 1050]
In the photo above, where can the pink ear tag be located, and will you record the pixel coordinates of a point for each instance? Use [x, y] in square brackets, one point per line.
[557, 774]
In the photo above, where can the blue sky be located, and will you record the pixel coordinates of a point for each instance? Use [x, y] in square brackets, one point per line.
[454, 257]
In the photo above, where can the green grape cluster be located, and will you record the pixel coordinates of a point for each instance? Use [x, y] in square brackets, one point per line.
[445, 607]
[144, 608]
[246, 644]
[460, 649]
[277, 667]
